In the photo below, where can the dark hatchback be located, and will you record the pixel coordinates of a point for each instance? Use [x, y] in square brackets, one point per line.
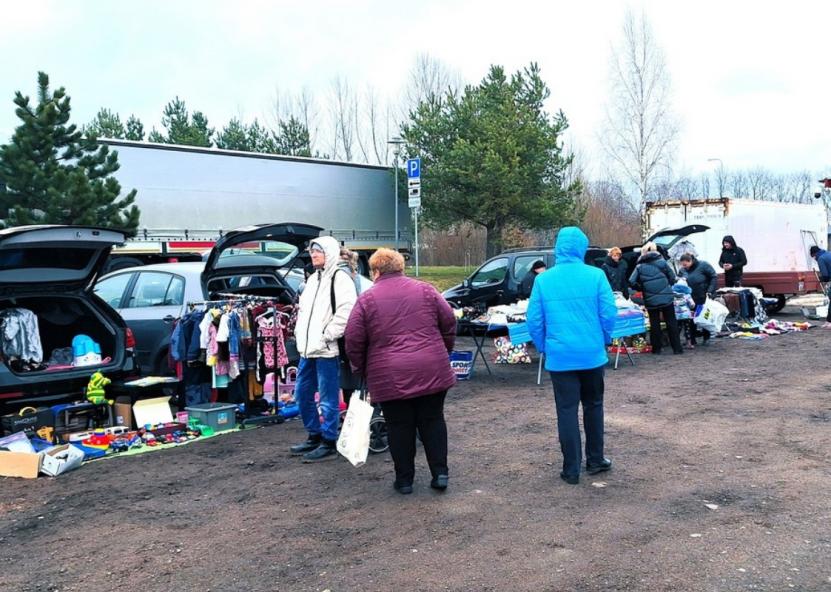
[51, 271]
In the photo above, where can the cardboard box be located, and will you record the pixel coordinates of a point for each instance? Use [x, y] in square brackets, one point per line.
[61, 459]
[19, 464]
[152, 411]
[123, 412]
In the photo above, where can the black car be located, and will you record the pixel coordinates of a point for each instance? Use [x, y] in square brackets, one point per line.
[48, 273]
[499, 279]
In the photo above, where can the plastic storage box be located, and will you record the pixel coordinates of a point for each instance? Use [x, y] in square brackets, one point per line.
[220, 416]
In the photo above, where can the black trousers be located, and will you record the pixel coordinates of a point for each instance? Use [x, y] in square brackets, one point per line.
[403, 418]
[655, 335]
[570, 390]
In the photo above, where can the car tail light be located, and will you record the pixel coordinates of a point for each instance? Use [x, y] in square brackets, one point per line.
[131, 339]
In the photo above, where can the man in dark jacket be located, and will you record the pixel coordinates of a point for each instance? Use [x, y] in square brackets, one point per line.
[823, 259]
[703, 281]
[732, 261]
[617, 271]
[655, 278]
[527, 284]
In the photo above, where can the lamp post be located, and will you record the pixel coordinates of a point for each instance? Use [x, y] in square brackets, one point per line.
[396, 142]
[721, 174]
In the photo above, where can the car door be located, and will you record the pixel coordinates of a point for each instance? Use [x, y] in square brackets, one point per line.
[154, 302]
[487, 285]
[522, 267]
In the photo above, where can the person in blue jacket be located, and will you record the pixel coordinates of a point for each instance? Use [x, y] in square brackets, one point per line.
[571, 316]
[823, 259]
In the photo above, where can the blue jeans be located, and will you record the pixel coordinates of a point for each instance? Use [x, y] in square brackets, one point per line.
[319, 375]
[570, 390]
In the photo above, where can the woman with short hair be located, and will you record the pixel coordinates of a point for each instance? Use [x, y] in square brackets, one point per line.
[617, 271]
[399, 336]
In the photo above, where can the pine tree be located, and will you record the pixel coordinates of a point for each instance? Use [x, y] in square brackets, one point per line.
[51, 173]
[135, 129]
[107, 124]
[293, 139]
[182, 128]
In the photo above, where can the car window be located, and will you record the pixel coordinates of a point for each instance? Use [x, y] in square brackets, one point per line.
[492, 272]
[150, 290]
[522, 265]
[175, 292]
[111, 290]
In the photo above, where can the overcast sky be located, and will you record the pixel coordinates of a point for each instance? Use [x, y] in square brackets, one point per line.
[750, 78]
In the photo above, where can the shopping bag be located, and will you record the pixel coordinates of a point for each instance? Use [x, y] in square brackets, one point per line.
[353, 442]
[711, 317]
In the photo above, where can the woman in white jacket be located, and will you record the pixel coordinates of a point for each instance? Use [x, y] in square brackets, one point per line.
[324, 308]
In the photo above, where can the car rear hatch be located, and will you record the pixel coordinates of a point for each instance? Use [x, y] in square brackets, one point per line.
[669, 237]
[49, 271]
[253, 260]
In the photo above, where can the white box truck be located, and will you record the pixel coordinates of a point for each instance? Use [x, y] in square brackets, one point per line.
[775, 236]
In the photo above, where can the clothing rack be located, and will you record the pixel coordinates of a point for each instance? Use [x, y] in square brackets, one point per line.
[232, 299]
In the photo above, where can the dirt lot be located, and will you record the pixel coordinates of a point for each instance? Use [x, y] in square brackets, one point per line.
[742, 426]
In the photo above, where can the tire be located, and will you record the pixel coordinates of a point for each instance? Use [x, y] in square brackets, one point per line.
[378, 437]
[780, 304]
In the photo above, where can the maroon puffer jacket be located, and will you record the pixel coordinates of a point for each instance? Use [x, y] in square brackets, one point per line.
[399, 335]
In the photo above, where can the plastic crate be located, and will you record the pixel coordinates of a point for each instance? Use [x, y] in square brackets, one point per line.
[219, 416]
[462, 364]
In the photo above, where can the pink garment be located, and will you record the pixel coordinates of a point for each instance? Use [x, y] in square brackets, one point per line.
[220, 367]
[272, 336]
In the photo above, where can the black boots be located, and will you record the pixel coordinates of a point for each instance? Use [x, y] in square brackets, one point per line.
[325, 451]
[307, 446]
[603, 466]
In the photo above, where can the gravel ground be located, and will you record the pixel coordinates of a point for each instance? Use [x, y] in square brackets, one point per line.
[721, 482]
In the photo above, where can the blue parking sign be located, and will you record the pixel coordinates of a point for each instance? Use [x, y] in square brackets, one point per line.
[414, 168]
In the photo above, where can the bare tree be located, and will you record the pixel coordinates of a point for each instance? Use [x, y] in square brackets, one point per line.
[429, 80]
[760, 183]
[301, 106]
[344, 113]
[704, 184]
[640, 130]
[374, 127]
[739, 187]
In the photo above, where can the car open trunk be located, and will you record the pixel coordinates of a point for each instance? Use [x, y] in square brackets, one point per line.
[60, 319]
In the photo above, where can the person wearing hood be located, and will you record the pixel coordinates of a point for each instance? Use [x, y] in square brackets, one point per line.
[703, 281]
[654, 277]
[320, 326]
[732, 261]
[617, 272]
[823, 259]
[527, 284]
[571, 316]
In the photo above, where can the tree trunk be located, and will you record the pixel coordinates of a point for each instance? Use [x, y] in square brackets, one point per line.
[493, 240]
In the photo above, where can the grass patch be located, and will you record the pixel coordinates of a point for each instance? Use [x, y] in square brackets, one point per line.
[441, 277]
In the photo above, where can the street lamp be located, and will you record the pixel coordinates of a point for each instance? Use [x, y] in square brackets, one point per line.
[720, 180]
[396, 142]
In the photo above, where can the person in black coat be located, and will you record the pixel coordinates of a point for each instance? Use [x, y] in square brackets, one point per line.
[527, 284]
[617, 272]
[655, 279]
[732, 261]
[703, 281]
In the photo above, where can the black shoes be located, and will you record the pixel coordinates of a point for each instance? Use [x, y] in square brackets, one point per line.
[570, 479]
[326, 451]
[604, 466]
[439, 483]
[307, 446]
[402, 489]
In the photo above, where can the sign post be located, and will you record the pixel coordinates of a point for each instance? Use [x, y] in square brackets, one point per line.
[414, 197]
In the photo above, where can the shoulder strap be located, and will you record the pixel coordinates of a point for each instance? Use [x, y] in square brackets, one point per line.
[332, 291]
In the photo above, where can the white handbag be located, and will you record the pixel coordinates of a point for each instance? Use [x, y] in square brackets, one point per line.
[353, 442]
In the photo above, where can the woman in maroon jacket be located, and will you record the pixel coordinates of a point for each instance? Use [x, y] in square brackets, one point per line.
[399, 336]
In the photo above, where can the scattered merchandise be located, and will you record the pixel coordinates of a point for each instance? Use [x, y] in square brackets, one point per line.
[95, 389]
[508, 353]
[153, 411]
[61, 459]
[28, 419]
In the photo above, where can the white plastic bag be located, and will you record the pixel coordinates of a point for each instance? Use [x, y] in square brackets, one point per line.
[711, 317]
[353, 442]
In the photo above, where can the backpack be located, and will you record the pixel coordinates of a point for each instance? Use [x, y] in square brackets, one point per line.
[348, 381]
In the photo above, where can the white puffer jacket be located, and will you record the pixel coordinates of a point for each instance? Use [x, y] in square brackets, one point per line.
[318, 327]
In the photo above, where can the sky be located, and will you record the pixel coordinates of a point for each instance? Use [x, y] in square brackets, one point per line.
[750, 78]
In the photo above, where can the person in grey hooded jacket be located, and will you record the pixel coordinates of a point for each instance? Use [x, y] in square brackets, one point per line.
[654, 277]
[319, 327]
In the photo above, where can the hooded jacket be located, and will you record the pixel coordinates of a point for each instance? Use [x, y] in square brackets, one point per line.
[572, 311]
[318, 326]
[702, 280]
[655, 278]
[618, 276]
[734, 256]
[824, 263]
[399, 337]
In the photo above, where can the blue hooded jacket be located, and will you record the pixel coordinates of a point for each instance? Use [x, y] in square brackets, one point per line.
[572, 311]
[824, 262]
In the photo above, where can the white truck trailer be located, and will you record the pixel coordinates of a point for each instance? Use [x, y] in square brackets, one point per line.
[190, 196]
[775, 236]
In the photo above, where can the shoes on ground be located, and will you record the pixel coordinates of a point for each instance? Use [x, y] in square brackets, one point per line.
[440, 482]
[310, 444]
[600, 467]
[326, 451]
[570, 479]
